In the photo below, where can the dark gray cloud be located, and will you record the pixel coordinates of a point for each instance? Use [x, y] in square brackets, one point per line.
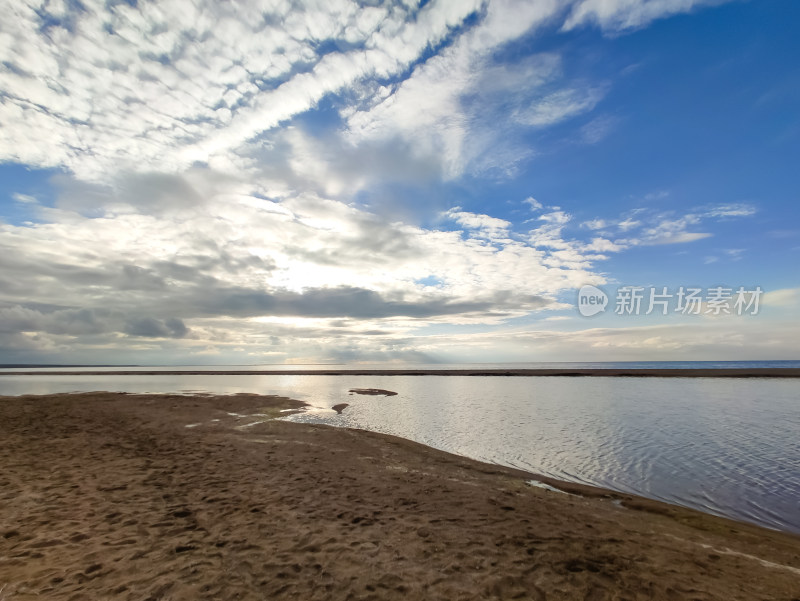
[345, 301]
[139, 278]
[348, 168]
[142, 266]
[148, 193]
[85, 322]
[149, 327]
[58, 321]
[165, 317]
[126, 285]
[372, 241]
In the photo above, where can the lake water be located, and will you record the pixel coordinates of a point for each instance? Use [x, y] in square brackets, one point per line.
[725, 446]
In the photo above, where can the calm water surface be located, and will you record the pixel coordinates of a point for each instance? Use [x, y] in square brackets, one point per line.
[728, 447]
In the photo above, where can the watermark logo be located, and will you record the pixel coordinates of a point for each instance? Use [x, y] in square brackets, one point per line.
[591, 301]
[638, 300]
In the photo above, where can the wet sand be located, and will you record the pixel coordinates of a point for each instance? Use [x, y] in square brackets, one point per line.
[112, 496]
[755, 372]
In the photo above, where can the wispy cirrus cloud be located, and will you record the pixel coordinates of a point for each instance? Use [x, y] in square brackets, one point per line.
[623, 15]
[651, 226]
[559, 106]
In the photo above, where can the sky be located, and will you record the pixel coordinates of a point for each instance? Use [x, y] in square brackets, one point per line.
[267, 182]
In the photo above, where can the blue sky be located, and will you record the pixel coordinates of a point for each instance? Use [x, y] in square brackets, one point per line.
[279, 182]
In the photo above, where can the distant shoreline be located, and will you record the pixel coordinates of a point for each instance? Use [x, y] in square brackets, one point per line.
[756, 372]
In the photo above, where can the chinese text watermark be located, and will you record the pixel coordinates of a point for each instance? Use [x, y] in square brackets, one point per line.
[685, 300]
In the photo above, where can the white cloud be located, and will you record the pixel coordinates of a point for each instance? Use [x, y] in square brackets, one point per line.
[646, 226]
[559, 106]
[655, 196]
[491, 226]
[785, 297]
[604, 245]
[106, 87]
[266, 277]
[670, 233]
[534, 204]
[556, 217]
[595, 224]
[439, 106]
[675, 230]
[628, 224]
[215, 224]
[98, 87]
[622, 15]
[229, 268]
[598, 129]
[689, 339]
[730, 210]
[109, 85]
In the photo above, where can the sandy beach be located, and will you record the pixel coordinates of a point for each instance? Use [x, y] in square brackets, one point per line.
[147, 497]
